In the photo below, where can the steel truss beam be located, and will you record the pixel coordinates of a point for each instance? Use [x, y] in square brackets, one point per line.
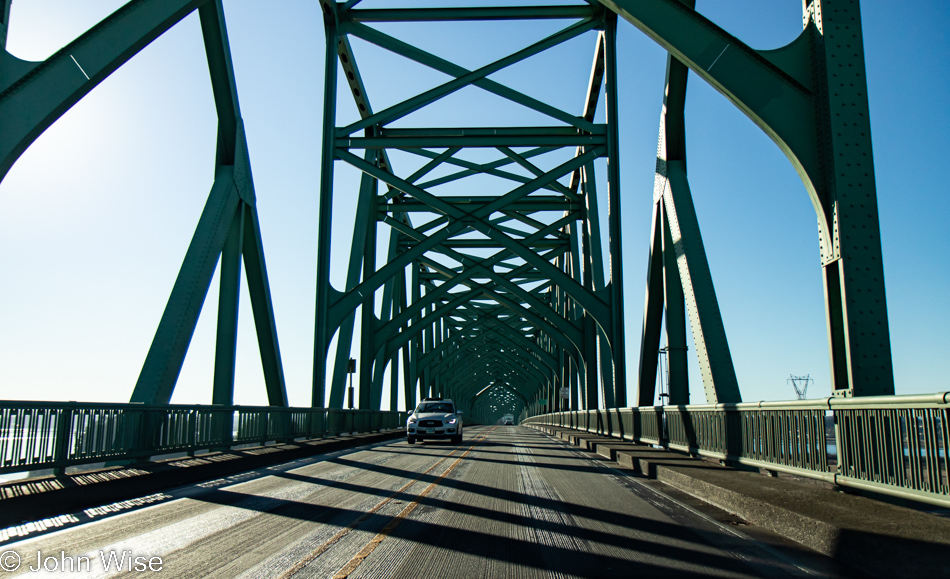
[33, 95]
[810, 98]
[483, 279]
[504, 291]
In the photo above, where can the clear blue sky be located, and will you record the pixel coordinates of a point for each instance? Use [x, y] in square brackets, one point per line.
[97, 214]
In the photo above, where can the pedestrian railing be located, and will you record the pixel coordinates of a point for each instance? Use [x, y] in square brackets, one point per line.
[895, 445]
[42, 435]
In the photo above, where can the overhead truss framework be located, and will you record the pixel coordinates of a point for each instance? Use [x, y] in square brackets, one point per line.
[501, 292]
[469, 311]
[482, 284]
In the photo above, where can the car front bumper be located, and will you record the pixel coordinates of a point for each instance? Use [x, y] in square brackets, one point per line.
[420, 433]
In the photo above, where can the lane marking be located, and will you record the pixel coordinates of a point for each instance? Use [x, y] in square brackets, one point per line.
[362, 518]
[358, 559]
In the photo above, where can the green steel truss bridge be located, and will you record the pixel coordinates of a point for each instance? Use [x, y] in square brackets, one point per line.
[482, 267]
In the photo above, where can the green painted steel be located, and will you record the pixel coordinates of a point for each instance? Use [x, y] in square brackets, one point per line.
[810, 98]
[40, 435]
[36, 94]
[506, 297]
[480, 290]
[680, 246]
[896, 445]
[33, 95]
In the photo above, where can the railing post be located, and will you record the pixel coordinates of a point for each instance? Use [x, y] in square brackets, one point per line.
[661, 427]
[193, 424]
[262, 426]
[222, 427]
[227, 425]
[61, 448]
[155, 419]
[286, 424]
[331, 421]
[137, 429]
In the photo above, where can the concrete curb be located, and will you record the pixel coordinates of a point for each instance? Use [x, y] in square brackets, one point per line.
[879, 538]
[29, 500]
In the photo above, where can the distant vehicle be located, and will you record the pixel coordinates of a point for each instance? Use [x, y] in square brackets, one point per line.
[508, 422]
[508, 419]
[434, 418]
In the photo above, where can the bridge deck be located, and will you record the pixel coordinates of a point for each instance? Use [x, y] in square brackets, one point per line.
[508, 502]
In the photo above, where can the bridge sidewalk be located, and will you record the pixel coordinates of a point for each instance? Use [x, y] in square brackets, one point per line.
[879, 538]
[34, 499]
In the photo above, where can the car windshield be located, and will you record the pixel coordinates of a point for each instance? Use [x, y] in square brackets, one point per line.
[434, 407]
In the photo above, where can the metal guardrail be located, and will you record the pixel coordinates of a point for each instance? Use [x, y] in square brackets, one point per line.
[895, 445]
[41, 435]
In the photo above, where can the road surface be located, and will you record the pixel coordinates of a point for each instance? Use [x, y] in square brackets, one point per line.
[507, 502]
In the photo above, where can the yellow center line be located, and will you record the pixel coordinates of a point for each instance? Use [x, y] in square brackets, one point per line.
[356, 522]
[358, 559]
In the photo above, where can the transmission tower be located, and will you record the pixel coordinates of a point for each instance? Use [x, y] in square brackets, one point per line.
[800, 384]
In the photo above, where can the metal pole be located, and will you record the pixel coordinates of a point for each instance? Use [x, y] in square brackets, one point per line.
[351, 369]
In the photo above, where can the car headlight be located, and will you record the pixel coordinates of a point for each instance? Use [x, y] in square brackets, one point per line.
[451, 421]
[412, 420]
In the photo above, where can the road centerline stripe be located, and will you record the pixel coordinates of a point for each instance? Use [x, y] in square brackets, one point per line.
[362, 518]
[358, 559]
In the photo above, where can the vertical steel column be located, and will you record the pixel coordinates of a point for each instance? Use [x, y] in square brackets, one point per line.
[228, 307]
[408, 376]
[368, 313]
[394, 384]
[364, 213]
[413, 382]
[856, 305]
[595, 261]
[652, 310]
[617, 347]
[382, 356]
[321, 342]
[591, 379]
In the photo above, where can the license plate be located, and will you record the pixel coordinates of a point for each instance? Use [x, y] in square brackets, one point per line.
[430, 431]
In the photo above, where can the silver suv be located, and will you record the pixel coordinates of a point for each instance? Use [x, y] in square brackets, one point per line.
[434, 418]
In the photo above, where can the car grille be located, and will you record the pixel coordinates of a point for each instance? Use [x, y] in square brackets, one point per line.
[430, 423]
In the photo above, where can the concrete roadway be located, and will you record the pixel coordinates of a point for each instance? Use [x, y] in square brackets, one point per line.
[507, 502]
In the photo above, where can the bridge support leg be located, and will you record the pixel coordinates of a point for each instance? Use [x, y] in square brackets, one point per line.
[678, 382]
[617, 340]
[228, 226]
[856, 306]
[810, 98]
[677, 243]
